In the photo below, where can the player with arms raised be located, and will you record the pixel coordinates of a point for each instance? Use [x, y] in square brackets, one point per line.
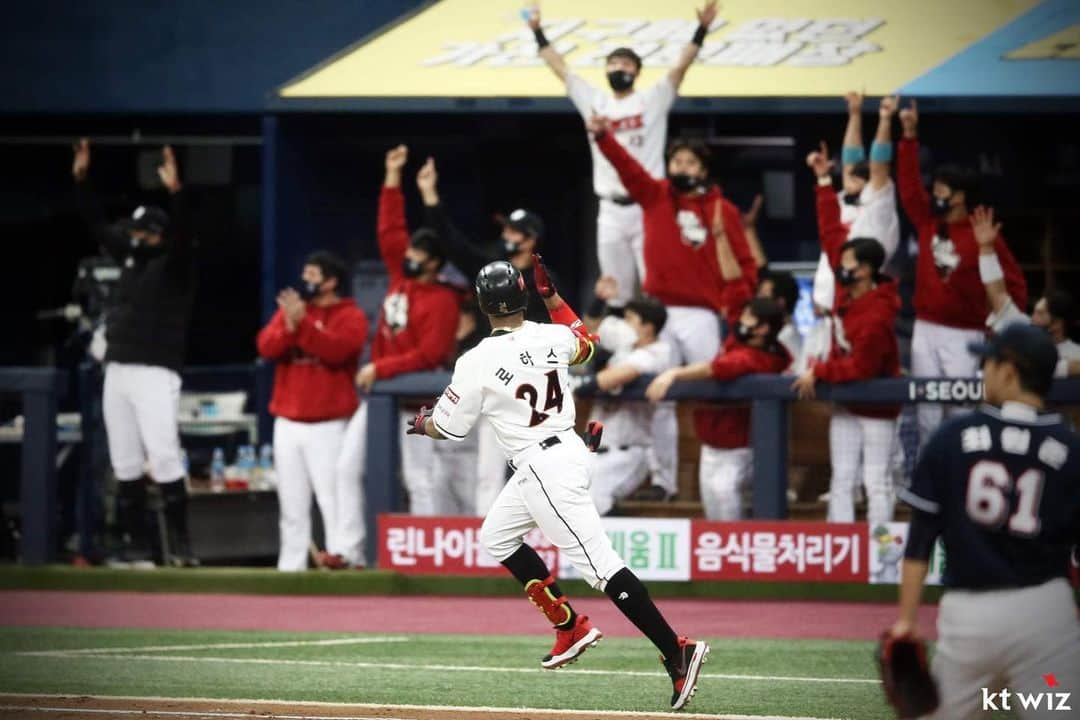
[518, 378]
[1000, 487]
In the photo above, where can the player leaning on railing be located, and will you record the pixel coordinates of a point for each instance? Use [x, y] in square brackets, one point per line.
[518, 378]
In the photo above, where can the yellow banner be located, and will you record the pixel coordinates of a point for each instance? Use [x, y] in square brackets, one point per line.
[482, 48]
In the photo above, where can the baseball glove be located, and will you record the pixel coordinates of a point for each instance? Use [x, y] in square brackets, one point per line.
[905, 676]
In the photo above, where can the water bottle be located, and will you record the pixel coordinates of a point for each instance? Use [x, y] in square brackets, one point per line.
[266, 467]
[245, 463]
[185, 462]
[217, 471]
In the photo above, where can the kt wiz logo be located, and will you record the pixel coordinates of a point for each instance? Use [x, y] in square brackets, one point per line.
[1009, 700]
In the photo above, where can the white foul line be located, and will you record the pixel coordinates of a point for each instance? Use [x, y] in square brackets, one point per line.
[362, 706]
[443, 668]
[214, 646]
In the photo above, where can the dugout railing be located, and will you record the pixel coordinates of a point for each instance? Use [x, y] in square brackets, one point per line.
[769, 396]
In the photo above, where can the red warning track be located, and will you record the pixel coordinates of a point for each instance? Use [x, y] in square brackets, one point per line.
[480, 616]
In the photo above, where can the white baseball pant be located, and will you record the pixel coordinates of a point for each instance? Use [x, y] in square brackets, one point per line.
[941, 351]
[550, 490]
[1006, 639]
[693, 334]
[490, 466]
[616, 473]
[349, 472]
[305, 458]
[722, 474]
[141, 404]
[620, 240]
[454, 472]
[853, 438]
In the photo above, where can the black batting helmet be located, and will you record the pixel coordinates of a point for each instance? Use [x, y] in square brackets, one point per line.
[500, 289]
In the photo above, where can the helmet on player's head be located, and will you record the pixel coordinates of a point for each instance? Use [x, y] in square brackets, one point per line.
[500, 289]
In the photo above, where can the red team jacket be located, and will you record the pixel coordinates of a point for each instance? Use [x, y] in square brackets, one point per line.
[864, 337]
[948, 290]
[313, 380]
[728, 427]
[680, 271]
[418, 322]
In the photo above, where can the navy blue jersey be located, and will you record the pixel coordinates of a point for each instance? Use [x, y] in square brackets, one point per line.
[1004, 486]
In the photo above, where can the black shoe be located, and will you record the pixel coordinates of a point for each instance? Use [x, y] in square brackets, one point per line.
[684, 669]
[652, 493]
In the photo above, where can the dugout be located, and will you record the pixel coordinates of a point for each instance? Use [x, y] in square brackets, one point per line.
[281, 115]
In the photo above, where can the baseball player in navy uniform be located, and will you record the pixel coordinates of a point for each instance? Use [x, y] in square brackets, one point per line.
[1000, 487]
[518, 378]
[639, 123]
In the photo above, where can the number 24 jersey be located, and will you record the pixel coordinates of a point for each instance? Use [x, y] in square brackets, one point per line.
[519, 380]
[1005, 485]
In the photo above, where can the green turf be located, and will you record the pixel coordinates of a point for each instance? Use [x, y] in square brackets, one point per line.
[381, 582]
[357, 672]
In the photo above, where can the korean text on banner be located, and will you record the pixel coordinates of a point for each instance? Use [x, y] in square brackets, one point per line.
[787, 551]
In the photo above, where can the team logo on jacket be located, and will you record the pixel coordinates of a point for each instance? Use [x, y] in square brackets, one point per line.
[396, 311]
[945, 257]
[693, 232]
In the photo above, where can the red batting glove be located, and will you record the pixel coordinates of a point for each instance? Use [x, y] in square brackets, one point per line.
[417, 425]
[544, 285]
[593, 432]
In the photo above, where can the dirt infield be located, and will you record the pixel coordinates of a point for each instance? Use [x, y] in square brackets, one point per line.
[97, 708]
[381, 614]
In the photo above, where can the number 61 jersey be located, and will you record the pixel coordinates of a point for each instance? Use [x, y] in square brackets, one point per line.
[519, 381]
[1005, 488]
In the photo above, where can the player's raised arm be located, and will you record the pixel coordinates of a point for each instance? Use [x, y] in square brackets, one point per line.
[642, 187]
[831, 232]
[393, 230]
[852, 152]
[705, 17]
[563, 314]
[881, 150]
[547, 53]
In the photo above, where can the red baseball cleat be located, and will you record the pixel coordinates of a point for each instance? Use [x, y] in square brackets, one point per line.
[684, 669]
[569, 644]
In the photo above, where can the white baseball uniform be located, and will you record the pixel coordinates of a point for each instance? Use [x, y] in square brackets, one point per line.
[1009, 314]
[625, 460]
[639, 123]
[519, 381]
[141, 404]
[305, 454]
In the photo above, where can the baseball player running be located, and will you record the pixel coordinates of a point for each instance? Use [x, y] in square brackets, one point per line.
[999, 486]
[518, 378]
[639, 123]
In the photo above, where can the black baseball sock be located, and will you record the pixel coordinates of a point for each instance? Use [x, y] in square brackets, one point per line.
[541, 588]
[131, 510]
[631, 597]
[175, 497]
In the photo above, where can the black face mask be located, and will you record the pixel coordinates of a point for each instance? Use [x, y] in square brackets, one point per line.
[620, 80]
[307, 291]
[411, 268]
[143, 252]
[851, 198]
[940, 206]
[686, 183]
[845, 276]
[511, 249]
[743, 332]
